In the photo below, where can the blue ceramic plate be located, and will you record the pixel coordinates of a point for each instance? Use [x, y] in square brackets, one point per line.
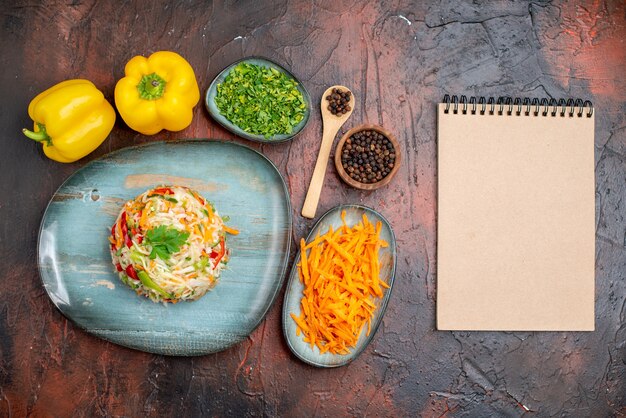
[293, 295]
[75, 263]
[215, 113]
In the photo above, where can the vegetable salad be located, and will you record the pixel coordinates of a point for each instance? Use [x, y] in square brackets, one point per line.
[169, 244]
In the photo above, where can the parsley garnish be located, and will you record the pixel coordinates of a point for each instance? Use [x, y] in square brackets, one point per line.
[260, 100]
[165, 241]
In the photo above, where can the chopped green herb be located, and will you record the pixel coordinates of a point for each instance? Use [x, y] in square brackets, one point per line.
[225, 218]
[169, 199]
[165, 241]
[260, 100]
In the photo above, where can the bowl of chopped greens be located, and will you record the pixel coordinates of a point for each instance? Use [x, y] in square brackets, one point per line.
[259, 100]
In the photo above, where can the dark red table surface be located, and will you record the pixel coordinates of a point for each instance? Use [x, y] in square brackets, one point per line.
[399, 59]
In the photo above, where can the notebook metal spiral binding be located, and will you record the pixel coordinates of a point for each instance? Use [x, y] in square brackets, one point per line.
[519, 106]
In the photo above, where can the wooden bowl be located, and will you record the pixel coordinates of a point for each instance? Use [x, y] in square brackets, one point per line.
[367, 186]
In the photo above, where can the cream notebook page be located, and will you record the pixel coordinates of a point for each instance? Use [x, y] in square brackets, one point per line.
[516, 233]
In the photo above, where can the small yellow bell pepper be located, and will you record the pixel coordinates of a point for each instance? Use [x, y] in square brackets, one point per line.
[71, 118]
[158, 92]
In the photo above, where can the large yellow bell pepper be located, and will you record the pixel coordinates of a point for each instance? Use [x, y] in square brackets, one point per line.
[158, 92]
[71, 118]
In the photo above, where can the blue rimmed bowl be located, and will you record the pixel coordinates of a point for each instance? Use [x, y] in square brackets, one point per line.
[211, 93]
[293, 294]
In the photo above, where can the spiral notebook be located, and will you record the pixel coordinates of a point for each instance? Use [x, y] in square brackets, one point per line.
[516, 221]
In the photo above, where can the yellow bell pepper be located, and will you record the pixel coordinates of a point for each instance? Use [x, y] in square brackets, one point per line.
[71, 118]
[158, 92]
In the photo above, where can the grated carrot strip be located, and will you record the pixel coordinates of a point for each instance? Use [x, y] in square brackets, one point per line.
[340, 250]
[231, 231]
[304, 265]
[301, 324]
[315, 242]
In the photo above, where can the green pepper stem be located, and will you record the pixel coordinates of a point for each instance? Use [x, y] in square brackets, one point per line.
[151, 87]
[39, 136]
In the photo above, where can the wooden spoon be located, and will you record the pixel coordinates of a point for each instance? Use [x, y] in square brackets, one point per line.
[331, 124]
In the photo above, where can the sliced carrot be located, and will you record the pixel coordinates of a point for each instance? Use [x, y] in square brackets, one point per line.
[340, 250]
[305, 267]
[119, 236]
[231, 231]
[315, 242]
[340, 271]
[301, 324]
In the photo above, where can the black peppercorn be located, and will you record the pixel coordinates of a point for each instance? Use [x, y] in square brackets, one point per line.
[367, 156]
[338, 102]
